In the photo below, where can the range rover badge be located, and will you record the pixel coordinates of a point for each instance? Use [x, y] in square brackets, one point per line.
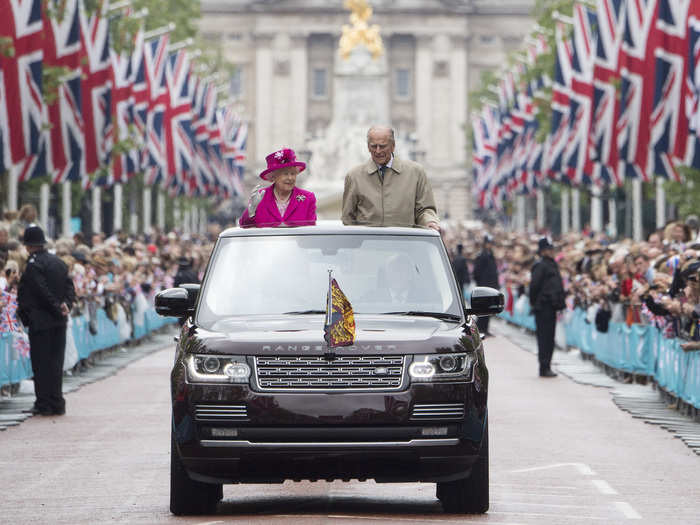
[381, 371]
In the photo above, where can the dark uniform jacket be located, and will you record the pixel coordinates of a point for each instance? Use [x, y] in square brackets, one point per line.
[485, 270]
[44, 285]
[546, 286]
[459, 265]
[185, 275]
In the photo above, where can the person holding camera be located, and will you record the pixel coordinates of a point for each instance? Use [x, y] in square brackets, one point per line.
[546, 298]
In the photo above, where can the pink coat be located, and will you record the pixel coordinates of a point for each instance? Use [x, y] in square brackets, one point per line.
[301, 211]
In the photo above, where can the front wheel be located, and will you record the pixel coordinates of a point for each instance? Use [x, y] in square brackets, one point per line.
[188, 497]
[469, 495]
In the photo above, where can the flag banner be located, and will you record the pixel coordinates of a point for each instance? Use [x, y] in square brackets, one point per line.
[23, 132]
[339, 328]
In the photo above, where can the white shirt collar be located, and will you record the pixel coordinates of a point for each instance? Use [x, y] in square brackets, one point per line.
[388, 164]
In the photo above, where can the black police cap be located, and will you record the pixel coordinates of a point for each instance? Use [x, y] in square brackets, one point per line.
[33, 236]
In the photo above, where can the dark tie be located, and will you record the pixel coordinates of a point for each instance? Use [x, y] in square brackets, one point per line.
[382, 171]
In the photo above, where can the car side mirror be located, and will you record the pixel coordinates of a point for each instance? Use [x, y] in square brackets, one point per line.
[175, 302]
[486, 301]
[192, 294]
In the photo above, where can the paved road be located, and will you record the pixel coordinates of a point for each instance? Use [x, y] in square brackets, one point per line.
[560, 453]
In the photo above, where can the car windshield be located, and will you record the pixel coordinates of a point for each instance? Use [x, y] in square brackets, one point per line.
[289, 275]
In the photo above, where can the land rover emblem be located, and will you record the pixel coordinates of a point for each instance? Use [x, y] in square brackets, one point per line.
[381, 371]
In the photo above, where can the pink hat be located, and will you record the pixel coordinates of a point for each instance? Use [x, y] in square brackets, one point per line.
[281, 159]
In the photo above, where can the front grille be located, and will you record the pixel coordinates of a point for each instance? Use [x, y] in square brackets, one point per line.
[220, 413]
[315, 373]
[438, 411]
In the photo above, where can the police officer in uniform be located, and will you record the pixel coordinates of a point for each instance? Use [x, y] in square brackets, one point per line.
[185, 274]
[485, 274]
[45, 296]
[546, 298]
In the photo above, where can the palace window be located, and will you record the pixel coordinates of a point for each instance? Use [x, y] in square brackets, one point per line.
[236, 84]
[403, 83]
[319, 82]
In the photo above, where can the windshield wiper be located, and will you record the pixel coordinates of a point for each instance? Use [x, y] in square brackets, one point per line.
[437, 315]
[305, 312]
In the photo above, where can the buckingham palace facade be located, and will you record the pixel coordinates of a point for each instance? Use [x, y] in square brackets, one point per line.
[285, 53]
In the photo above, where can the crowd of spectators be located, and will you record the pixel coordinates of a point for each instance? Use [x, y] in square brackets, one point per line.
[120, 273]
[656, 281]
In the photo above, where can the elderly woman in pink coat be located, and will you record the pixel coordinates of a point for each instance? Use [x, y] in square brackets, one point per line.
[282, 203]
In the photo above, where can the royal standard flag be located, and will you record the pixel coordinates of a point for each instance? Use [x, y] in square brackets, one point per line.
[339, 329]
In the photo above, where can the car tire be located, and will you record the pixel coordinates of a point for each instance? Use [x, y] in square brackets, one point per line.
[469, 495]
[189, 497]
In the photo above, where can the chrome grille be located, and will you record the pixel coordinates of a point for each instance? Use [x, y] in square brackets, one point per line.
[221, 413]
[315, 373]
[438, 411]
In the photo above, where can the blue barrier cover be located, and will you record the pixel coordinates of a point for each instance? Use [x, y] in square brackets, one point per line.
[638, 349]
[14, 367]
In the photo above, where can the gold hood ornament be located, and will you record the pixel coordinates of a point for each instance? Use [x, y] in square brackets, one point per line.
[361, 33]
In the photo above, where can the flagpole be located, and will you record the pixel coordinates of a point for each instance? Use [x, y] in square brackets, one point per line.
[96, 209]
[66, 205]
[540, 209]
[660, 203]
[637, 209]
[564, 210]
[575, 210]
[160, 31]
[117, 212]
[596, 210]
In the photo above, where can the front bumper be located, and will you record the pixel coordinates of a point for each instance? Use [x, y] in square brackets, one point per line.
[280, 436]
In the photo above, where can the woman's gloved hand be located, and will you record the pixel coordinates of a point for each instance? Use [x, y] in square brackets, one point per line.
[254, 199]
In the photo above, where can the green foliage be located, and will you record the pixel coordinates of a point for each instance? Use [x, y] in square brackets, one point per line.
[685, 195]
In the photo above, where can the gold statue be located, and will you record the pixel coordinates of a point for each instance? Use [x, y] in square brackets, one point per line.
[361, 33]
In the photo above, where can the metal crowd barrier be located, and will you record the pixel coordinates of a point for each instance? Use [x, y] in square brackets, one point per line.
[637, 349]
[14, 366]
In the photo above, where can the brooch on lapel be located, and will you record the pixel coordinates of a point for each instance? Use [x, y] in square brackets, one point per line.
[301, 198]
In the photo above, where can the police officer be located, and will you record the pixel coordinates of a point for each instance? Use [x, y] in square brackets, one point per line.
[485, 274]
[546, 298]
[185, 273]
[45, 296]
[461, 271]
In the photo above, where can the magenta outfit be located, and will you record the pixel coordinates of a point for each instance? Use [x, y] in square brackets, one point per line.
[301, 211]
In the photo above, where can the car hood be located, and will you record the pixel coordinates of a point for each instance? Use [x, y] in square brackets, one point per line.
[294, 334]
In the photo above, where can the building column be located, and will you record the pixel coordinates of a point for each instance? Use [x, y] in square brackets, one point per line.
[66, 209]
[564, 210]
[576, 210]
[637, 209]
[299, 89]
[96, 209]
[541, 212]
[147, 209]
[44, 205]
[423, 95]
[12, 184]
[660, 203]
[118, 199]
[264, 71]
[160, 212]
[596, 210]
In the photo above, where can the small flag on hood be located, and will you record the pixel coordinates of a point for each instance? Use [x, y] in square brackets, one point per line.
[339, 329]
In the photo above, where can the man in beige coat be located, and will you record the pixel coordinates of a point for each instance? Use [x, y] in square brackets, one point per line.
[388, 191]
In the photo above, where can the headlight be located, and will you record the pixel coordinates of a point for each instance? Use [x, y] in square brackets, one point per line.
[217, 369]
[441, 367]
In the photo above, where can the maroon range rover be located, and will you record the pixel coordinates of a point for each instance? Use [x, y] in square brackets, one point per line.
[258, 397]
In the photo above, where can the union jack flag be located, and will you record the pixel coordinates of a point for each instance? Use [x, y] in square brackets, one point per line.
[637, 68]
[126, 163]
[579, 167]
[140, 97]
[155, 58]
[202, 171]
[669, 127]
[63, 48]
[605, 102]
[692, 91]
[179, 135]
[560, 126]
[96, 88]
[26, 114]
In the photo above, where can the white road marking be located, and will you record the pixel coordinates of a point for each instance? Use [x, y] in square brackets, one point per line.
[603, 486]
[558, 516]
[628, 510]
[413, 520]
[583, 469]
